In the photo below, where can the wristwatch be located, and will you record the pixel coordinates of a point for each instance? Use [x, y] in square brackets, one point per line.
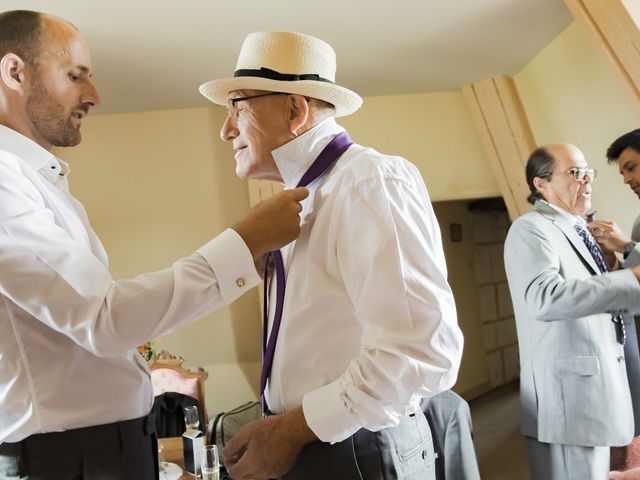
[628, 248]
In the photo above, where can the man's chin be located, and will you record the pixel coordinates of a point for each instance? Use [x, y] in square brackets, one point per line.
[243, 174]
[583, 209]
[255, 174]
[68, 141]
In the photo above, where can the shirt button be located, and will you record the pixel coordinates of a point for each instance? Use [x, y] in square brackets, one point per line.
[240, 282]
[620, 358]
[424, 454]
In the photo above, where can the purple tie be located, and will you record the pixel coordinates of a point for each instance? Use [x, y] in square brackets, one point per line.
[327, 157]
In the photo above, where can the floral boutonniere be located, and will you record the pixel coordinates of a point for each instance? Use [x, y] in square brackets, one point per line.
[147, 350]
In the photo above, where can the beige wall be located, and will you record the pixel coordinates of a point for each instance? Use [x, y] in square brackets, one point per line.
[436, 133]
[571, 95]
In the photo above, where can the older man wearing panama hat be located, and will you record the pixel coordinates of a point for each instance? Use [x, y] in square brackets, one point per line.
[360, 320]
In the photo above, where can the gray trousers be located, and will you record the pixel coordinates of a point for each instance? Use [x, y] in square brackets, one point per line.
[403, 452]
[119, 451]
[550, 461]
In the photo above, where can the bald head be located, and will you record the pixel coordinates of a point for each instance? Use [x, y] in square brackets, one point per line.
[550, 176]
[563, 150]
[541, 164]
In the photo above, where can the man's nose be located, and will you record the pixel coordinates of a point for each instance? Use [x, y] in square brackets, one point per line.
[91, 96]
[229, 130]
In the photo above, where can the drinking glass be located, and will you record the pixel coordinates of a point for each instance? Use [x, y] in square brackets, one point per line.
[191, 418]
[209, 463]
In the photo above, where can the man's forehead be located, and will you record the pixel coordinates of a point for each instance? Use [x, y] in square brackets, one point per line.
[56, 29]
[65, 45]
[566, 155]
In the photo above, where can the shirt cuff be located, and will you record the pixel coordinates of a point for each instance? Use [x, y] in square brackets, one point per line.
[326, 414]
[633, 259]
[232, 264]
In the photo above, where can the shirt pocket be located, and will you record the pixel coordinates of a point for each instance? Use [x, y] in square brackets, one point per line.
[418, 460]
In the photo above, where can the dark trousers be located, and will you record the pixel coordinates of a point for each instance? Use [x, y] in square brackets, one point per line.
[117, 451]
[403, 452]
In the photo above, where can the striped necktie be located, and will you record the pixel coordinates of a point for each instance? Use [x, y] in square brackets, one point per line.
[596, 253]
[592, 246]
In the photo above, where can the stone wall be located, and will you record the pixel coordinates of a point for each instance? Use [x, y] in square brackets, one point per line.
[489, 229]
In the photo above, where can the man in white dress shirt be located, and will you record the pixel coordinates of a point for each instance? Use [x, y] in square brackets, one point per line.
[625, 153]
[368, 323]
[74, 393]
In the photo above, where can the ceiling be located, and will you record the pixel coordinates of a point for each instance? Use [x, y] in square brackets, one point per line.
[153, 54]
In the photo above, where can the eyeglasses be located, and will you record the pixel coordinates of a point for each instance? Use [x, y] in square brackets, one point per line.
[580, 173]
[232, 107]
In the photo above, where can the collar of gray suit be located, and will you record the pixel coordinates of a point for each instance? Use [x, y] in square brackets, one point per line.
[559, 220]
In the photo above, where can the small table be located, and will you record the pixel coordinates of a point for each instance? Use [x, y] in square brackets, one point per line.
[172, 452]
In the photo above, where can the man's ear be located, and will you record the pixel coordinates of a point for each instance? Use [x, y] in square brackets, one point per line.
[540, 183]
[12, 70]
[298, 112]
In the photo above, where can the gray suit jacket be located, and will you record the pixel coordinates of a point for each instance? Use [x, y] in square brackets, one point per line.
[573, 379]
[450, 421]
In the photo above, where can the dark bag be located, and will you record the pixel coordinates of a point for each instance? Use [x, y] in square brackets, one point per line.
[226, 424]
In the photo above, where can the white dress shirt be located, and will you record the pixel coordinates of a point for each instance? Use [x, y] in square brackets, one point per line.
[569, 217]
[68, 331]
[369, 323]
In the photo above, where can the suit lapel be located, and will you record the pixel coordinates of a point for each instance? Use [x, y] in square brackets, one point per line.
[569, 232]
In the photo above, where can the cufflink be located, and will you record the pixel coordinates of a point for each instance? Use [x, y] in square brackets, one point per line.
[240, 282]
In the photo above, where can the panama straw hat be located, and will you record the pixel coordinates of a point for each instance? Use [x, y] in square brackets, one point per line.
[285, 62]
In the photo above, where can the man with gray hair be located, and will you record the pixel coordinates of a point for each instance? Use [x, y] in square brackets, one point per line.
[366, 325]
[573, 382]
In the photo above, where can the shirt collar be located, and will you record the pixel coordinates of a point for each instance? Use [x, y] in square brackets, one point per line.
[39, 159]
[295, 157]
[572, 219]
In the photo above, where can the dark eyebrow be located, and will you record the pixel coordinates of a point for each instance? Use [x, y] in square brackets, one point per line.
[625, 165]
